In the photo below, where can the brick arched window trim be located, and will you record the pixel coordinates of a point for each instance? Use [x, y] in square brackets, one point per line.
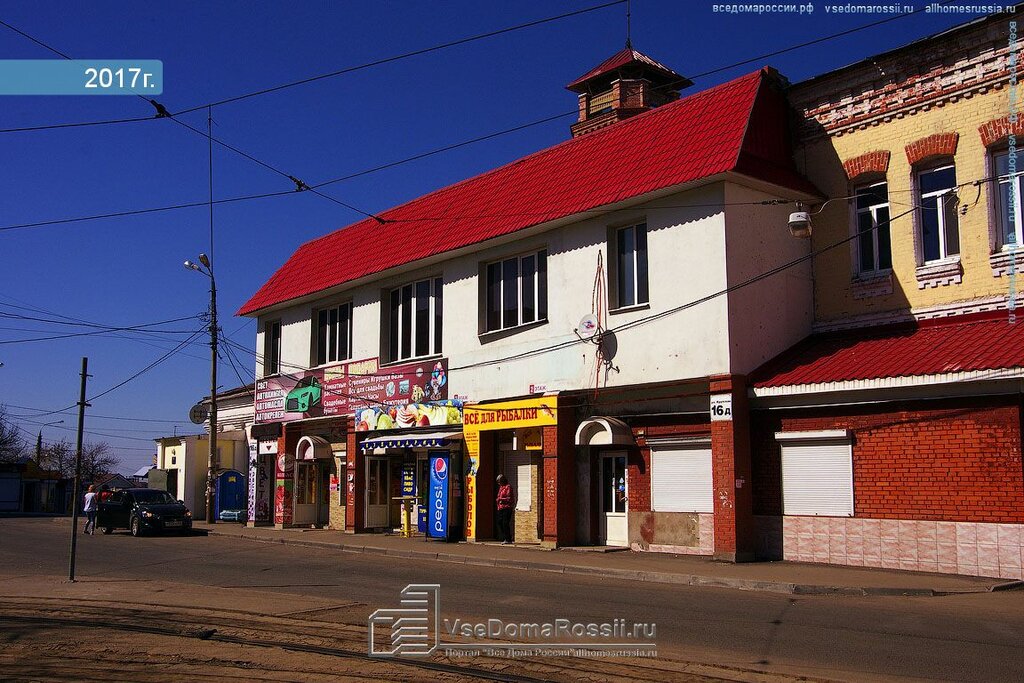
[876, 162]
[937, 145]
[998, 130]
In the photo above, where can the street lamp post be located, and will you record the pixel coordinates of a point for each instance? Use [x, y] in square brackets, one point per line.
[39, 440]
[206, 268]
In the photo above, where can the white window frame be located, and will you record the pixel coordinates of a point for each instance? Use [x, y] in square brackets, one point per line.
[1014, 180]
[699, 462]
[337, 356]
[935, 195]
[635, 284]
[539, 296]
[793, 500]
[873, 211]
[433, 344]
[272, 335]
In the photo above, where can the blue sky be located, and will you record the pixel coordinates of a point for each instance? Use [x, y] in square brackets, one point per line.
[127, 271]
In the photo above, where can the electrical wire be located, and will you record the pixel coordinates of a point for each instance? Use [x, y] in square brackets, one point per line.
[292, 84]
[162, 113]
[92, 416]
[301, 186]
[435, 48]
[150, 343]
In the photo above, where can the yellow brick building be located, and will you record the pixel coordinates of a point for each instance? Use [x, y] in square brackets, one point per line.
[939, 103]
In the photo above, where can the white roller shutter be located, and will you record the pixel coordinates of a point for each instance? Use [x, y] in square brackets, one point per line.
[817, 477]
[681, 480]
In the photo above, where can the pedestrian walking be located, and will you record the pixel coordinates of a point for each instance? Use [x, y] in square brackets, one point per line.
[506, 502]
[90, 511]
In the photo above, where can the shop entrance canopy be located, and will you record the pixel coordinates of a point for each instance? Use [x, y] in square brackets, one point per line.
[422, 440]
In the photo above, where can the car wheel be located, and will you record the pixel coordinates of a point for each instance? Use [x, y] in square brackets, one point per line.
[108, 530]
[136, 527]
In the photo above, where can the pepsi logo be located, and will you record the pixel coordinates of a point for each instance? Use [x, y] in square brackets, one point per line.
[440, 468]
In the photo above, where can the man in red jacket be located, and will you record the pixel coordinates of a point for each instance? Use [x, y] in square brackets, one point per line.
[506, 503]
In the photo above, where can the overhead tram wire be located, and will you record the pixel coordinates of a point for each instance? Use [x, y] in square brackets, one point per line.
[101, 417]
[148, 341]
[162, 112]
[347, 70]
[138, 374]
[301, 186]
[311, 79]
[99, 329]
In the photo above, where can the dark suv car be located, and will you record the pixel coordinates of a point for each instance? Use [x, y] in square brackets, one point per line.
[143, 510]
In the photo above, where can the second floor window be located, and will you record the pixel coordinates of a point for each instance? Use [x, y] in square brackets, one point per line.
[517, 291]
[272, 347]
[631, 287]
[940, 236]
[874, 251]
[1008, 211]
[414, 320]
[334, 334]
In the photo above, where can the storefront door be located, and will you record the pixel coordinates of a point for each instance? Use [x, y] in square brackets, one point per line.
[323, 493]
[377, 503]
[613, 499]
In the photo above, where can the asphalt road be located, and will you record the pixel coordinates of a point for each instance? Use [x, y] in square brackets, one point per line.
[976, 637]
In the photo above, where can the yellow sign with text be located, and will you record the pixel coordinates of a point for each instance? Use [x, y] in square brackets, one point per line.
[529, 412]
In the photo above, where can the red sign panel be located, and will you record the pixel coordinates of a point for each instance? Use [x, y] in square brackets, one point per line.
[344, 388]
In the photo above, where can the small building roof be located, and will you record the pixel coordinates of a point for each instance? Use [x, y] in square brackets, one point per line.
[986, 341]
[626, 57]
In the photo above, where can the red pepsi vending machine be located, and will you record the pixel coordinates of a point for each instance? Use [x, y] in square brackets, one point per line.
[444, 495]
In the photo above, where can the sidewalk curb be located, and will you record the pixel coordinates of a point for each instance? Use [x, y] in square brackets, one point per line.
[697, 580]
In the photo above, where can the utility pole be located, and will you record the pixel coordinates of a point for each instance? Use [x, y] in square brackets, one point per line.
[78, 468]
[205, 266]
[212, 473]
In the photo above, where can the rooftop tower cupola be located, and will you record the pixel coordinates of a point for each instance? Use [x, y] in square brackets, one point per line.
[624, 85]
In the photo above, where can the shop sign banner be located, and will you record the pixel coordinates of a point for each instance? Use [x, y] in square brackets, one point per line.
[434, 414]
[409, 479]
[346, 387]
[437, 498]
[531, 412]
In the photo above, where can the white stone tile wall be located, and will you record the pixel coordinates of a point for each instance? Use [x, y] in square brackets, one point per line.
[972, 548]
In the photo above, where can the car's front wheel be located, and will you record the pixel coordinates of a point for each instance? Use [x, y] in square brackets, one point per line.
[108, 530]
[136, 527]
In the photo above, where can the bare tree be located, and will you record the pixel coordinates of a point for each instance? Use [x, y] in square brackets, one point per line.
[59, 456]
[12, 445]
[97, 459]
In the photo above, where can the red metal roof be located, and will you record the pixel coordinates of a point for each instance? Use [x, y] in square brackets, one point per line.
[737, 126]
[985, 341]
[620, 59]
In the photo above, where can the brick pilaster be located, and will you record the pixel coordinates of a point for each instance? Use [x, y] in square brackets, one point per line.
[559, 488]
[731, 469]
[354, 482]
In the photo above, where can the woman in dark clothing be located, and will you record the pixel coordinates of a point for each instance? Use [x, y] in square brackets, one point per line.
[506, 503]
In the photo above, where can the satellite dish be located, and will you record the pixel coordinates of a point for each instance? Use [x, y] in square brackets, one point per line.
[588, 327]
[198, 414]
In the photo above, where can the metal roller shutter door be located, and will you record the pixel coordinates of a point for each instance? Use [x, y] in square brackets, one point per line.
[681, 480]
[817, 478]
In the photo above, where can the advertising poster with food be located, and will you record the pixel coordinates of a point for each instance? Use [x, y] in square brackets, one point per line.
[346, 388]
